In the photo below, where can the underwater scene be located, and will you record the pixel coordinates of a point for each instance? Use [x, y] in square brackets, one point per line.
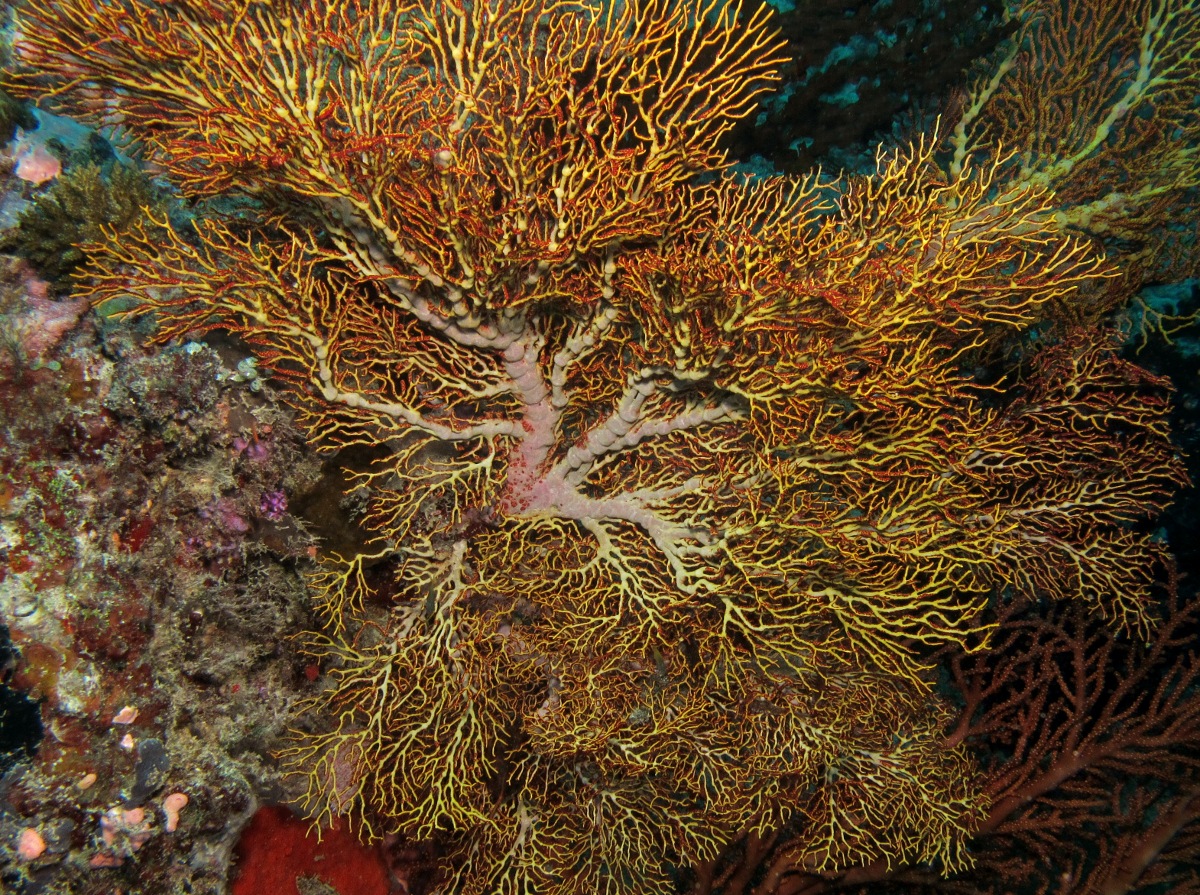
[599, 447]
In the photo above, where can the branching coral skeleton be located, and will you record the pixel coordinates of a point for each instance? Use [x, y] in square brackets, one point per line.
[682, 473]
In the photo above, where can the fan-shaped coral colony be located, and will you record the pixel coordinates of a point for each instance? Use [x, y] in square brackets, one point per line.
[680, 476]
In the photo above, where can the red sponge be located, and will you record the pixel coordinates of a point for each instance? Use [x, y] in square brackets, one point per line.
[277, 848]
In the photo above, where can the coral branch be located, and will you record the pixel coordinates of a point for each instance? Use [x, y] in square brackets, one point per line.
[680, 478]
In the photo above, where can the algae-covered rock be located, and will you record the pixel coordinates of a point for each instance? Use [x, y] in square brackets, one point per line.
[14, 114]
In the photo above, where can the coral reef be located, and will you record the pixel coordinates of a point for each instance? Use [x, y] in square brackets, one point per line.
[681, 489]
[148, 596]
